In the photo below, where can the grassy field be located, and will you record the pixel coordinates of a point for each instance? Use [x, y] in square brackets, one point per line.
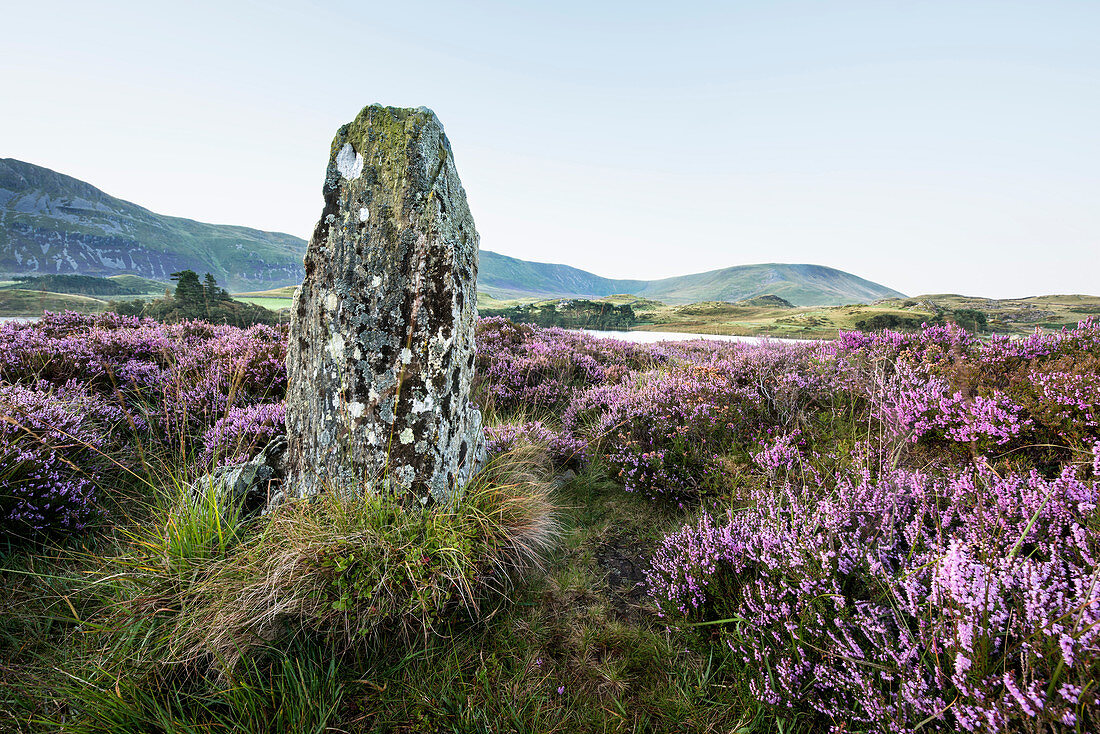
[18, 302]
[270, 303]
[286, 292]
[275, 299]
[147, 286]
[1005, 316]
[1012, 316]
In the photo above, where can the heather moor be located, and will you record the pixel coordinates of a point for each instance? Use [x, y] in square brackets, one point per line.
[886, 532]
[719, 368]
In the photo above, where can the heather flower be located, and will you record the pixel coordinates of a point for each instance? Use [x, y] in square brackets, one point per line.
[53, 444]
[243, 432]
[882, 601]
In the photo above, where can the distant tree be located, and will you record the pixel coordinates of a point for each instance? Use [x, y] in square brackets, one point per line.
[212, 291]
[881, 321]
[135, 307]
[572, 314]
[85, 285]
[189, 293]
[971, 319]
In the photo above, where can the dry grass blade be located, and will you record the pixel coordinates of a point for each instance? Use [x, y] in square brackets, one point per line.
[352, 567]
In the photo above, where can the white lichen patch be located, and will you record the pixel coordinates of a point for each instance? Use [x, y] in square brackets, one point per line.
[349, 163]
[406, 436]
[406, 355]
[330, 302]
[376, 281]
[335, 346]
[364, 214]
[422, 406]
[356, 409]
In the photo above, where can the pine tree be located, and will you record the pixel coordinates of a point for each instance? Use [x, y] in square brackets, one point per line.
[190, 297]
[213, 292]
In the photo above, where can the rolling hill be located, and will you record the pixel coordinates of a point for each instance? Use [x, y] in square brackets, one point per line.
[51, 223]
[803, 285]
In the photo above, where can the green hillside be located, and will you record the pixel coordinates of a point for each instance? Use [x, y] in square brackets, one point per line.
[803, 285]
[51, 223]
[509, 277]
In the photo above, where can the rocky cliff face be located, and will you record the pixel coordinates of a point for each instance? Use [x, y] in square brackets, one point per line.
[381, 352]
[52, 223]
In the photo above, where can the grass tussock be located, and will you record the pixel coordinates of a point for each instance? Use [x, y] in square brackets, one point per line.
[346, 568]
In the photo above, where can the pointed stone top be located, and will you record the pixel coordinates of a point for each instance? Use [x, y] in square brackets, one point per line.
[380, 122]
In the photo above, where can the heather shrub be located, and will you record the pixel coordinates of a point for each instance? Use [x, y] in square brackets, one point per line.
[964, 602]
[528, 369]
[862, 595]
[561, 447]
[244, 432]
[667, 432]
[86, 398]
[664, 431]
[913, 407]
[1030, 401]
[55, 445]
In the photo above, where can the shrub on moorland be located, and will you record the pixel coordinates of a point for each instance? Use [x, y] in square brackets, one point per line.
[243, 432]
[666, 431]
[55, 444]
[1034, 399]
[961, 603]
[173, 382]
[562, 448]
[526, 369]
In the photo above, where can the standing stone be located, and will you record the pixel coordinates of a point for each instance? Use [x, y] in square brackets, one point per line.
[381, 352]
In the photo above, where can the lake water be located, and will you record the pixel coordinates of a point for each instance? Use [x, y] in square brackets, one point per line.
[649, 337]
[23, 319]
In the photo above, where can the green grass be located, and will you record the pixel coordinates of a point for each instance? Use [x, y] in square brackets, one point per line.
[284, 292]
[272, 304]
[147, 286]
[20, 302]
[576, 648]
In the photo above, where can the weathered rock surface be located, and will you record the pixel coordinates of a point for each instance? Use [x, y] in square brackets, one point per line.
[251, 486]
[381, 352]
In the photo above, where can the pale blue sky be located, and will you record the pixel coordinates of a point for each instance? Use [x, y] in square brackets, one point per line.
[929, 146]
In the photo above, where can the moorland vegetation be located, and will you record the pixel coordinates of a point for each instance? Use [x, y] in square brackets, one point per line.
[884, 532]
[192, 299]
[572, 313]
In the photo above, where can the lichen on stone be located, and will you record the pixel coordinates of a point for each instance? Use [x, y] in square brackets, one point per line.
[382, 331]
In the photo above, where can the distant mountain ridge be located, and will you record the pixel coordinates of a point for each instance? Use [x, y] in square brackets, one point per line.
[803, 285]
[51, 223]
